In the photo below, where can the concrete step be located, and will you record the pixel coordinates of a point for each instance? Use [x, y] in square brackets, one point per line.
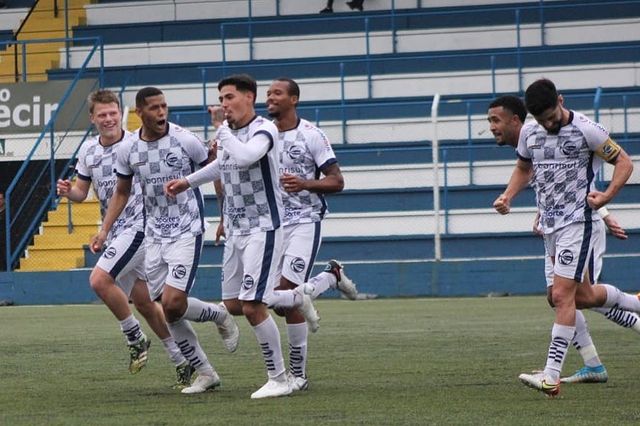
[52, 260]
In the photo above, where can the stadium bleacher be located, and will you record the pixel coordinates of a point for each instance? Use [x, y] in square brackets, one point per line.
[375, 107]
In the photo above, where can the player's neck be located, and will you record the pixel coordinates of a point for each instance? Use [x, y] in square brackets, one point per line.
[246, 119]
[287, 122]
[107, 140]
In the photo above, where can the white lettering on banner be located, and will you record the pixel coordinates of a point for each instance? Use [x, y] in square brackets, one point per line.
[24, 115]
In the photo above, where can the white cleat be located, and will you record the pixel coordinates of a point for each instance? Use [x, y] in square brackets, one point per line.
[344, 283]
[298, 383]
[274, 388]
[229, 331]
[203, 384]
[307, 309]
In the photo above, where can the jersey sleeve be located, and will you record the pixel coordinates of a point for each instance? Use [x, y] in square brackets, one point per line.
[195, 149]
[321, 150]
[598, 139]
[522, 150]
[81, 165]
[123, 168]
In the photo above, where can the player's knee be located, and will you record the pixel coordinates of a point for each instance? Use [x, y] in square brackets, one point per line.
[99, 280]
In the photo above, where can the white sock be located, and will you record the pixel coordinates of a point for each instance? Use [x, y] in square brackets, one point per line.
[297, 334]
[268, 338]
[187, 342]
[322, 282]
[623, 318]
[626, 301]
[283, 299]
[561, 336]
[173, 351]
[131, 329]
[199, 311]
[584, 344]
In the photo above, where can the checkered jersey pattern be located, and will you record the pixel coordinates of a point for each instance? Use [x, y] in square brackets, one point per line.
[564, 169]
[96, 163]
[252, 199]
[303, 152]
[173, 156]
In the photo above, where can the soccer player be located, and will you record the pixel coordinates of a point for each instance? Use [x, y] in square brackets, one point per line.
[119, 273]
[247, 167]
[560, 153]
[161, 151]
[304, 152]
[506, 117]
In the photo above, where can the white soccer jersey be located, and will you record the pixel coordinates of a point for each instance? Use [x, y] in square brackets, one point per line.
[304, 152]
[96, 163]
[252, 198]
[564, 168]
[173, 156]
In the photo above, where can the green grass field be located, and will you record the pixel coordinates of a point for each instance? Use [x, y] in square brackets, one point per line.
[393, 361]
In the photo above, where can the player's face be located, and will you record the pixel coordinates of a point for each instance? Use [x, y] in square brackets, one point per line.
[279, 102]
[551, 119]
[154, 115]
[504, 125]
[107, 118]
[236, 105]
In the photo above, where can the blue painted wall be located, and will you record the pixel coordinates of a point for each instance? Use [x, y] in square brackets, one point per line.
[424, 278]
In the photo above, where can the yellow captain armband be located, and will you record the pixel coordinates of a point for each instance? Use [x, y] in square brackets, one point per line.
[608, 151]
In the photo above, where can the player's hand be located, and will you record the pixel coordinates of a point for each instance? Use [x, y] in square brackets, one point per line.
[96, 243]
[212, 153]
[219, 233]
[502, 204]
[176, 186]
[292, 183]
[536, 225]
[217, 115]
[63, 187]
[615, 228]
[597, 199]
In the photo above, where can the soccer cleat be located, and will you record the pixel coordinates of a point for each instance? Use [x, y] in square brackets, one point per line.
[327, 10]
[274, 388]
[344, 283]
[539, 382]
[588, 375]
[354, 5]
[183, 375]
[298, 383]
[138, 352]
[229, 331]
[202, 384]
[307, 310]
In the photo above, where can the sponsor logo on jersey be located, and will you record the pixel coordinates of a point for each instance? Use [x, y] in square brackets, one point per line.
[172, 160]
[565, 257]
[569, 148]
[178, 272]
[298, 264]
[247, 282]
[294, 152]
[110, 253]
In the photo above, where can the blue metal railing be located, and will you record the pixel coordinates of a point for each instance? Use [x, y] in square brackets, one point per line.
[48, 134]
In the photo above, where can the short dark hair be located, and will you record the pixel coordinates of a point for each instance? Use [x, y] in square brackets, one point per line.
[540, 96]
[102, 96]
[242, 82]
[144, 93]
[511, 103]
[294, 89]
